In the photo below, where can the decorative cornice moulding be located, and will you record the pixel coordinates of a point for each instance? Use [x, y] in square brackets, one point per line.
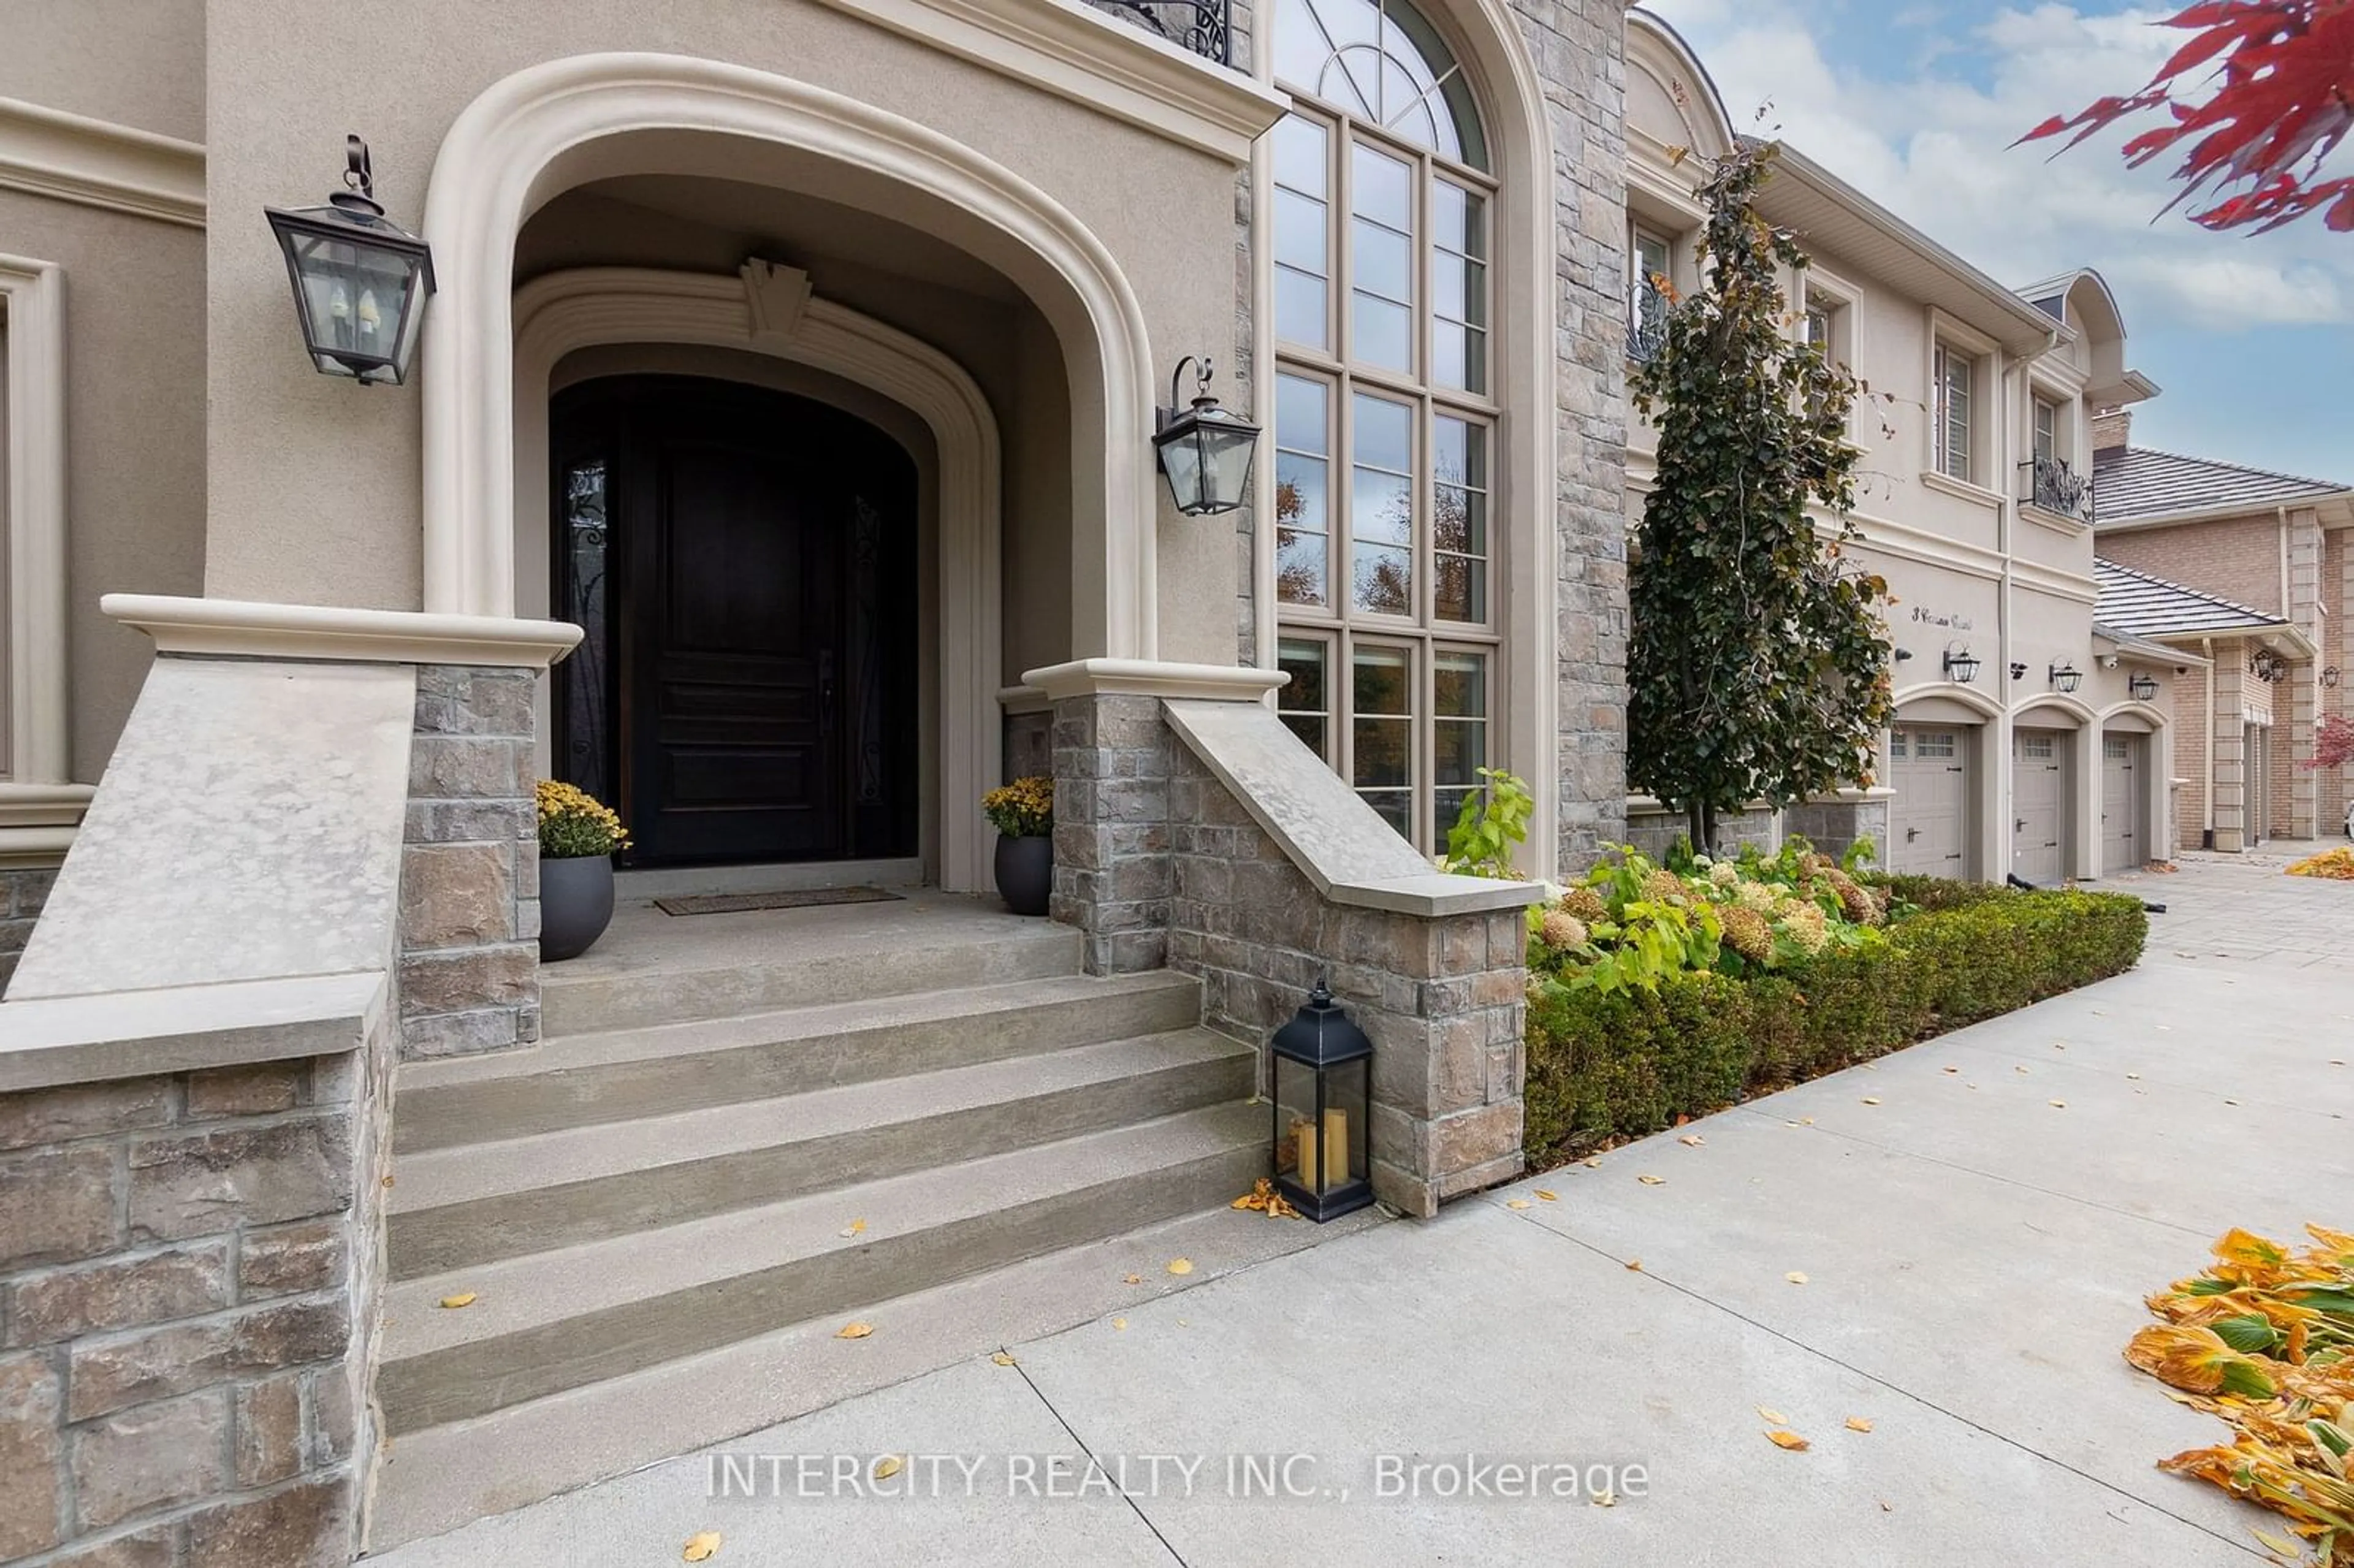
[237, 628]
[96, 162]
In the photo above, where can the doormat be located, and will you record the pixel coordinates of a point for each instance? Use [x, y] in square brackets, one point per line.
[742, 903]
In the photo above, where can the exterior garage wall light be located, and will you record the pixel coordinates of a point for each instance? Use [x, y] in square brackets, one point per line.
[2066, 678]
[1962, 667]
[361, 282]
[2268, 665]
[2143, 686]
[1206, 452]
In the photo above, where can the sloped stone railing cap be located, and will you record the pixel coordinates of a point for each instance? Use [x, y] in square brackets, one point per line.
[1153, 678]
[179, 1029]
[1335, 839]
[228, 628]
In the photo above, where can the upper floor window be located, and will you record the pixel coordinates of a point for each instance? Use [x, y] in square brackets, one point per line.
[1649, 256]
[1952, 411]
[2047, 429]
[1384, 421]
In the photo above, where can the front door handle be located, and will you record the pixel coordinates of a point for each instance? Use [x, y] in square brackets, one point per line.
[2019, 826]
[825, 692]
[1912, 834]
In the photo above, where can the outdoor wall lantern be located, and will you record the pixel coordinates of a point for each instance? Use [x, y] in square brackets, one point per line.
[1962, 666]
[2143, 686]
[2329, 677]
[1323, 1083]
[360, 281]
[1206, 452]
[2268, 665]
[2066, 678]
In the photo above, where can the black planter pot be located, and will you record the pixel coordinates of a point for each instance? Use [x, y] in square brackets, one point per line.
[1025, 873]
[576, 904]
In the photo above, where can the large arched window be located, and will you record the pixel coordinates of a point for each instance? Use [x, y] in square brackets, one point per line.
[1384, 409]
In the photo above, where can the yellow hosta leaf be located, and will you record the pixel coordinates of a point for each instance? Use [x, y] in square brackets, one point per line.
[1548, 1197]
[1772, 1417]
[1652, 1181]
[854, 1330]
[1790, 1440]
[465, 1299]
[1002, 1359]
[2291, 1550]
[1516, 1202]
[887, 1467]
[2195, 1360]
[1859, 1424]
[1180, 1266]
[1795, 1277]
[2247, 1248]
[700, 1548]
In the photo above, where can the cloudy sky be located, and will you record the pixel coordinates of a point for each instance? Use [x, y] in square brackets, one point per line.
[1916, 103]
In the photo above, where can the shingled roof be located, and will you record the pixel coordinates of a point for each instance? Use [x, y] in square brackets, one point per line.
[2141, 604]
[2138, 483]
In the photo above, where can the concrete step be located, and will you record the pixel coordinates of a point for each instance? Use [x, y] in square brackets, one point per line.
[552, 1321]
[436, 1479]
[476, 1203]
[586, 1079]
[723, 966]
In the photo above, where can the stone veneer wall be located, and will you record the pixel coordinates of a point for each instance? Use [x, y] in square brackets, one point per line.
[1159, 865]
[1579, 50]
[23, 889]
[1834, 826]
[188, 1265]
[469, 978]
[1655, 832]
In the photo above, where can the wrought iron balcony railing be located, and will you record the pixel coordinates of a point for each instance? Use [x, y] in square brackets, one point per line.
[1646, 334]
[2048, 484]
[1202, 25]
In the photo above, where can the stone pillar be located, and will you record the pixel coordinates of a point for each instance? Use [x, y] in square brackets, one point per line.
[2231, 749]
[188, 1265]
[469, 971]
[1834, 825]
[1113, 876]
[23, 890]
[2305, 690]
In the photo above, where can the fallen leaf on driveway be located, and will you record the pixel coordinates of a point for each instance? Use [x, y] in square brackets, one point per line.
[1953, 1069]
[2020, 1068]
[854, 1330]
[1795, 1277]
[1595, 1163]
[1605, 1499]
[853, 1227]
[1859, 1424]
[1516, 1202]
[1635, 1265]
[1691, 1141]
[2133, 1075]
[700, 1548]
[2230, 1102]
[1652, 1181]
[465, 1300]
[1003, 1358]
[1180, 1266]
[1790, 1440]
[1119, 1323]
[2059, 1105]
[887, 1467]
[1872, 1099]
[1548, 1197]
[1772, 1417]
[1132, 1279]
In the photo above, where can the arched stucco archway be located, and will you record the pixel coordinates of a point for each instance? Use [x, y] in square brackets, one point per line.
[563, 121]
[589, 307]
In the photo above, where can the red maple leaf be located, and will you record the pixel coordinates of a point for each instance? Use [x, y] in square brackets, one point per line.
[2278, 103]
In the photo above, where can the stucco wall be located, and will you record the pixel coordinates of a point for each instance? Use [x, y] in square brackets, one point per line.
[134, 62]
[134, 436]
[283, 95]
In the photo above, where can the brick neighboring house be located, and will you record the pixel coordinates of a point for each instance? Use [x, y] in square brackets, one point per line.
[2248, 572]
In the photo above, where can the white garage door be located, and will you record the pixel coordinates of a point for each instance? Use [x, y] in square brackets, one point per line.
[2039, 803]
[2122, 848]
[1929, 769]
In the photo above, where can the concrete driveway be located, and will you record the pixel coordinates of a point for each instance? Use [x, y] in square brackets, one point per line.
[1974, 1255]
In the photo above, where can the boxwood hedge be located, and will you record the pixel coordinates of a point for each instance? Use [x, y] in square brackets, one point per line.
[1603, 1066]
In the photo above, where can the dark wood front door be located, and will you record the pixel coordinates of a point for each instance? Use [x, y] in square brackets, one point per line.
[740, 561]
